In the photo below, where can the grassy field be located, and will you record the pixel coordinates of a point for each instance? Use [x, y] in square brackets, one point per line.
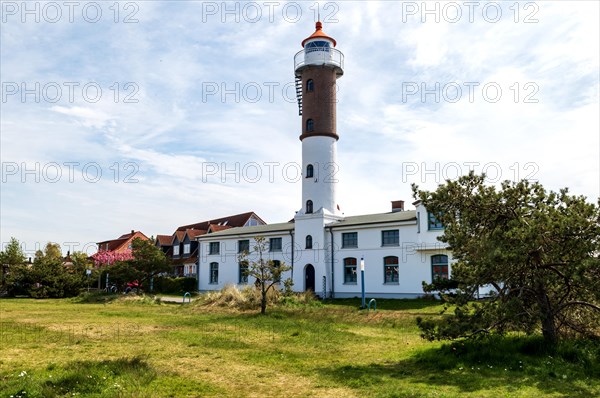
[140, 348]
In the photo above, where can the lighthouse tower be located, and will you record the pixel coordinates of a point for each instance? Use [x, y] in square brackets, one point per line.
[317, 67]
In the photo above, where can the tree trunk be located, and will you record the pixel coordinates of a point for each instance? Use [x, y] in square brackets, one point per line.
[547, 318]
[263, 304]
[549, 330]
[263, 301]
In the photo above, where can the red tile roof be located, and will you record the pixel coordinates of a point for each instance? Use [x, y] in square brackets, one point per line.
[117, 244]
[180, 235]
[237, 220]
[192, 233]
[164, 240]
[217, 228]
[202, 228]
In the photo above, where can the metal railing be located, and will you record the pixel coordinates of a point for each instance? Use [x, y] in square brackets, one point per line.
[314, 56]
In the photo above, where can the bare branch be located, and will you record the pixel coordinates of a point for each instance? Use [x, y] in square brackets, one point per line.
[582, 303]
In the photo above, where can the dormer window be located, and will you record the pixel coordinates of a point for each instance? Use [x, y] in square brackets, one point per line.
[309, 206]
[310, 85]
[310, 125]
[309, 171]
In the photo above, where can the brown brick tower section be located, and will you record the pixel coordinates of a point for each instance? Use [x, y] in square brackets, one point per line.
[319, 104]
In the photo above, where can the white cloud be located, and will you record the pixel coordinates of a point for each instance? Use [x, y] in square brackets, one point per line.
[172, 130]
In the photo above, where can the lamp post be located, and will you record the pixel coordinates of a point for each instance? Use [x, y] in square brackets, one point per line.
[362, 280]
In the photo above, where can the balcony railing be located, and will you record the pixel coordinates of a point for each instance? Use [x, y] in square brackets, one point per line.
[319, 56]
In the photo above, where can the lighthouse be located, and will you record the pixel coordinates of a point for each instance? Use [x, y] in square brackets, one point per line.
[317, 67]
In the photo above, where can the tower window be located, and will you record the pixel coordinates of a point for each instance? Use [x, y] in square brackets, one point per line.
[310, 171]
[319, 45]
[308, 242]
[309, 206]
[310, 85]
[310, 125]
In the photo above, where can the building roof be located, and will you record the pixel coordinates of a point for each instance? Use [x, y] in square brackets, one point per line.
[319, 34]
[114, 244]
[164, 240]
[237, 220]
[180, 235]
[254, 230]
[192, 233]
[378, 218]
[366, 219]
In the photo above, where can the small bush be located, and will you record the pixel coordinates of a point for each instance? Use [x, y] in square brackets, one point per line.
[168, 285]
[231, 296]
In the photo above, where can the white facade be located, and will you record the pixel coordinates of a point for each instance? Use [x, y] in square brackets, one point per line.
[321, 153]
[416, 246]
[400, 249]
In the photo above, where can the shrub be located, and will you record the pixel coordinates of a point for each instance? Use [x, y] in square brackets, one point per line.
[164, 284]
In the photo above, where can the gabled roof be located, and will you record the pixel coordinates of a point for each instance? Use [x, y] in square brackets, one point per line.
[164, 240]
[179, 235]
[115, 244]
[192, 233]
[237, 220]
[216, 228]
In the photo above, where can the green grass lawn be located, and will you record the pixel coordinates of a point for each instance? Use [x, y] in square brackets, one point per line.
[138, 348]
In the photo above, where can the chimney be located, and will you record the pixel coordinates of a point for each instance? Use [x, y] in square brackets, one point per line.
[132, 232]
[397, 205]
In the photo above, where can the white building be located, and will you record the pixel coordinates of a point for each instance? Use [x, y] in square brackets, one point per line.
[324, 247]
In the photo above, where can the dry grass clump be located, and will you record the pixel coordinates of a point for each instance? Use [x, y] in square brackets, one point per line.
[246, 298]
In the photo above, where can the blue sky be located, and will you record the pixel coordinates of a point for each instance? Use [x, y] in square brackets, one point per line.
[187, 151]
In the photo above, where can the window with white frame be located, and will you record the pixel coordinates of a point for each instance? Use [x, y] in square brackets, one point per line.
[275, 244]
[186, 248]
[214, 273]
[390, 238]
[390, 270]
[350, 271]
[176, 250]
[433, 222]
[243, 272]
[243, 246]
[439, 267]
[349, 239]
[213, 248]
